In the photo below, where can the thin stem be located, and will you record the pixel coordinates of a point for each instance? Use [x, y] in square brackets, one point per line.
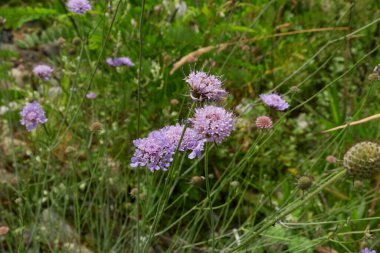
[209, 197]
[138, 119]
[269, 222]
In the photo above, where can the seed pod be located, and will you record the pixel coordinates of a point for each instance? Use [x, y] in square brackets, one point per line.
[96, 126]
[304, 182]
[197, 180]
[363, 160]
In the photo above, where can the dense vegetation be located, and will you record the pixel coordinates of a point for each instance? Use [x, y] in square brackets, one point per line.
[68, 186]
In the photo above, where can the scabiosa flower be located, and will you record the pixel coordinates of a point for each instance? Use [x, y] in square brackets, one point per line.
[154, 151]
[264, 122]
[191, 139]
[366, 250]
[32, 114]
[78, 6]
[91, 95]
[275, 101]
[205, 87]
[43, 71]
[121, 61]
[213, 123]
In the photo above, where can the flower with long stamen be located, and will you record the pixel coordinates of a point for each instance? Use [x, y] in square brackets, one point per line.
[205, 87]
[213, 123]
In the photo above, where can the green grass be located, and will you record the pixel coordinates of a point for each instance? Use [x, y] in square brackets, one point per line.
[64, 186]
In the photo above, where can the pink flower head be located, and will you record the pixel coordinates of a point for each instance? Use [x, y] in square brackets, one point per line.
[264, 122]
[31, 115]
[275, 101]
[43, 71]
[331, 159]
[78, 6]
[213, 123]
[205, 87]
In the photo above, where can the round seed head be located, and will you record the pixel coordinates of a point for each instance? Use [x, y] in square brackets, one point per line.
[363, 160]
[304, 182]
[197, 180]
[96, 126]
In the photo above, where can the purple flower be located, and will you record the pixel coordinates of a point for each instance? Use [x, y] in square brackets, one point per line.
[43, 71]
[264, 122]
[78, 6]
[121, 61]
[32, 114]
[91, 95]
[213, 123]
[205, 87]
[366, 250]
[275, 101]
[191, 139]
[156, 151]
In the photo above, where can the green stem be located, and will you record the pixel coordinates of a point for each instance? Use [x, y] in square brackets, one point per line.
[209, 197]
[269, 222]
[138, 120]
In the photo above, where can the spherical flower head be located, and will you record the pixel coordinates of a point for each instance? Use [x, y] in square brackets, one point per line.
[78, 6]
[31, 115]
[191, 140]
[43, 71]
[213, 123]
[331, 159]
[275, 101]
[91, 95]
[121, 61]
[154, 151]
[366, 250]
[264, 122]
[205, 87]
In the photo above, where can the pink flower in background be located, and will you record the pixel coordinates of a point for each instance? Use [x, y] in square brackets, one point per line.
[264, 122]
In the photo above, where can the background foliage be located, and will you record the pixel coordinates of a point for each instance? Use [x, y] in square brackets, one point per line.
[65, 188]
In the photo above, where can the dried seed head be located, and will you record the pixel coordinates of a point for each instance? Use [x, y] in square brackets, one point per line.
[304, 182]
[96, 127]
[197, 180]
[363, 160]
[358, 184]
[134, 192]
[234, 184]
[76, 41]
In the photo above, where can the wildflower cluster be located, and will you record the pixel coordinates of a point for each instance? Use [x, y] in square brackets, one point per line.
[209, 124]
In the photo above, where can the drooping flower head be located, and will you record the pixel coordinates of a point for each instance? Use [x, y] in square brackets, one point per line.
[213, 123]
[275, 101]
[205, 87]
[43, 71]
[264, 122]
[78, 6]
[31, 115]
[121, 61]
[366, 250]
[91, 95]
[156, 151]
